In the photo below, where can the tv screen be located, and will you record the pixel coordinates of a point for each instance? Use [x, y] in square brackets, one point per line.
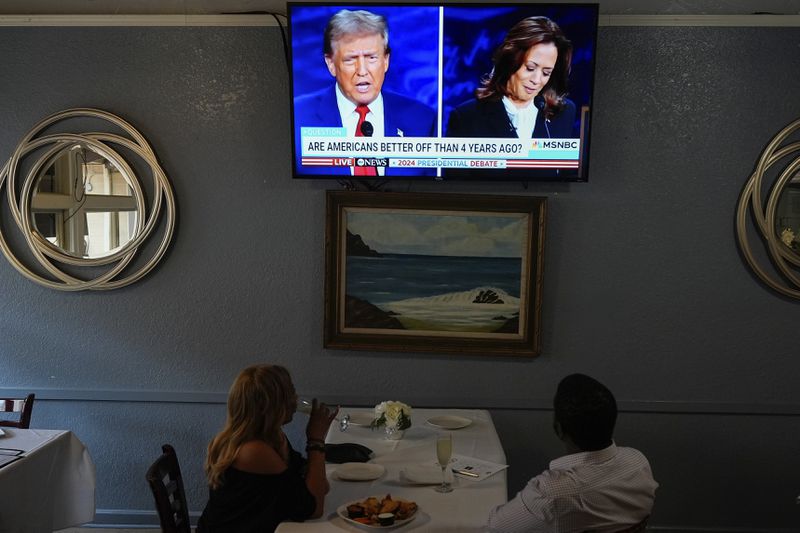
[442, 91]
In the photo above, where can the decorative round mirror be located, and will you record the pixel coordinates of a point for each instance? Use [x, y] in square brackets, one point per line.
[778, 218]
[84, 205]
[77, 201]
[787, 215]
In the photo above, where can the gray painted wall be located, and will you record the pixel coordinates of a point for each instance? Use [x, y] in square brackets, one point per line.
[644, 287]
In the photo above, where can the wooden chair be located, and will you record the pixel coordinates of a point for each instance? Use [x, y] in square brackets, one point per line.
[166, 482]
[23, 406]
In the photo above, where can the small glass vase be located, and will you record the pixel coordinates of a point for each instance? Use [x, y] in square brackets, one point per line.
[392, 433]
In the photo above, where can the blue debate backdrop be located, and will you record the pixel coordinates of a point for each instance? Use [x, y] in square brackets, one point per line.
[471, 34]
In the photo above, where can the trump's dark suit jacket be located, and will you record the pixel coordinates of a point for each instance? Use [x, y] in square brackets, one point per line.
[488, 118]
[402, 117]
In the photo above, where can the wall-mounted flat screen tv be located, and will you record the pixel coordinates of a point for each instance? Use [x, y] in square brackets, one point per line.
[442, 91]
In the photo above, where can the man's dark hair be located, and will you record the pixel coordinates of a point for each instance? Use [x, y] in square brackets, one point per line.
[586, 411]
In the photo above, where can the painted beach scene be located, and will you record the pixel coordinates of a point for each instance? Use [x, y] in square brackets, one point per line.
[435, 273]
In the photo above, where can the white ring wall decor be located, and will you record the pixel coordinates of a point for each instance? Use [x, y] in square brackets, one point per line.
[102, 145]
[783, 257]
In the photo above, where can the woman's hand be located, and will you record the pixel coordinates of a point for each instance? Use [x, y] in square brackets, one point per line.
[318, 423]
[320, 420]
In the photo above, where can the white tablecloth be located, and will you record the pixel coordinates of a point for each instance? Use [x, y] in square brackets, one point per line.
[463, 510]
[51, 487]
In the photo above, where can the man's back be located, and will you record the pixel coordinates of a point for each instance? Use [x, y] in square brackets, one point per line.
[600, 491]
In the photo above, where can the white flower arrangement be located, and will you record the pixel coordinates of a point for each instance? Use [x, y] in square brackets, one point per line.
[392, 414]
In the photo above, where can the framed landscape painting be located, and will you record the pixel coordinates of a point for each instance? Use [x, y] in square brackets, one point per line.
[422, 272]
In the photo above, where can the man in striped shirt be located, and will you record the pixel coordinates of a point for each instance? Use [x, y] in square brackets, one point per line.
[597, 486]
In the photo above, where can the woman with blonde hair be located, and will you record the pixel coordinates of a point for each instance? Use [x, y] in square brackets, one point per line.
[256, 480]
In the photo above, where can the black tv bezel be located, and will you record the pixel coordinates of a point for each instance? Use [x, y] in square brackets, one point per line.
[513, 176]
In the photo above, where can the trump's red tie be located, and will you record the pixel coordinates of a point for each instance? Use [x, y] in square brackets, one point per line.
[362, 111]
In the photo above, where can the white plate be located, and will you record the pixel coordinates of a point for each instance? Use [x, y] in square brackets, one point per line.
[2, 433]
[361, 419]
[422, 475]
[449, 421]
[359, 471]
[342, 512]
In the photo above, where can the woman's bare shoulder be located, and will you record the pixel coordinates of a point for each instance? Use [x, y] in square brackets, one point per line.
[258, 457]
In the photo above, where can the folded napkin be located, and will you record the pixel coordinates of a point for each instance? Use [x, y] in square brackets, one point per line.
[347, 452]
[8, 459]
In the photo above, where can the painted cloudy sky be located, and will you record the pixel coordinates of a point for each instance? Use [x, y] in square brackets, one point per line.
[425, 234]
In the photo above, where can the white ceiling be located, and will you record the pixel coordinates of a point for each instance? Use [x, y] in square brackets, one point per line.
[214, 7]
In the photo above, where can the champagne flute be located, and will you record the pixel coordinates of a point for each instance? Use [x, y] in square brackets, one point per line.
[444, 449]
[304, 406]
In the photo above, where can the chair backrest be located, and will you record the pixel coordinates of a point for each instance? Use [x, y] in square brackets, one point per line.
[636, 528]
[639, 527]
[166, 482]
[23, 406]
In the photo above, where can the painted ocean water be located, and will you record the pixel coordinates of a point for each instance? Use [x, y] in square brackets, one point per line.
[438, 292]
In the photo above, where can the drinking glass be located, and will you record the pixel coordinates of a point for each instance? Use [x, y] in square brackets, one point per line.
[304, 406]
[444, 449]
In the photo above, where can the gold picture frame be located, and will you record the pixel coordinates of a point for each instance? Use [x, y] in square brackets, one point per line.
[432, 272]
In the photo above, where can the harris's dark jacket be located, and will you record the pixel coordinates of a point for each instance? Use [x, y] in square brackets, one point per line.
[488, 118]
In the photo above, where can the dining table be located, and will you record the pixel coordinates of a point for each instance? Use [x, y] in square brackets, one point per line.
[47, 481]
[465, 509]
